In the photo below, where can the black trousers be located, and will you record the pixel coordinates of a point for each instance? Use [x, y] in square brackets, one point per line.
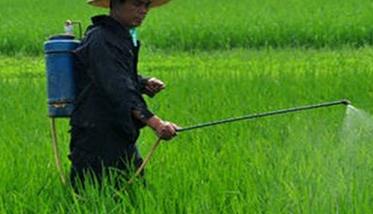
[99, 153]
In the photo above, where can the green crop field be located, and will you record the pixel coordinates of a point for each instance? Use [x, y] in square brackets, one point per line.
[218, 60]
[203, 24]
[286, 164]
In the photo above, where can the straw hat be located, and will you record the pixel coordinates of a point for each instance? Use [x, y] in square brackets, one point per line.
[106, 3]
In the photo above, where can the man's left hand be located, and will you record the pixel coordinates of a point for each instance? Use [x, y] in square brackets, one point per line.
[154, 85]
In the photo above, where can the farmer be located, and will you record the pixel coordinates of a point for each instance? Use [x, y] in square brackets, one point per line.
[110, 109]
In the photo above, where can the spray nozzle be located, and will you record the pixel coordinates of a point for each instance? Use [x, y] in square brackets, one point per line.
[346, 102]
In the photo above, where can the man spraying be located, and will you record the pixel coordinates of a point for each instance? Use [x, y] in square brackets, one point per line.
[110, 109]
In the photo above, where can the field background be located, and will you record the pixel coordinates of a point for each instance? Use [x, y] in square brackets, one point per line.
[186, 25]
[218, 60]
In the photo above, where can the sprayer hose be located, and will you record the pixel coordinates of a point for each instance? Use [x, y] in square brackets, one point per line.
[56, 153]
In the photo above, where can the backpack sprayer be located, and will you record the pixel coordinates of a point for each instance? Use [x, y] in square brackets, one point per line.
[61, 93]
[60, 81]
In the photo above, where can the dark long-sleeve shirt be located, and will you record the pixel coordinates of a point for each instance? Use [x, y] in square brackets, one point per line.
[108, 85]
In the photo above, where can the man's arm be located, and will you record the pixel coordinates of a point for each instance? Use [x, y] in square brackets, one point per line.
[150, 86]
[111, 74]
[164, 129]
[143, 82]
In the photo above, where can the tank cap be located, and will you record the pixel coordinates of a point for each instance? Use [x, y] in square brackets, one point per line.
[62, 37]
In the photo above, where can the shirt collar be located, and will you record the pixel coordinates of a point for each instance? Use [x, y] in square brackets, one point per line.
[112, 24]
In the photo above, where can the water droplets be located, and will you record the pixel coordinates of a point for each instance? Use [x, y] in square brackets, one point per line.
[357, 126]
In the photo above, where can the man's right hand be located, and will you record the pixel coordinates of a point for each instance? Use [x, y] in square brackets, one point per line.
[165, 130]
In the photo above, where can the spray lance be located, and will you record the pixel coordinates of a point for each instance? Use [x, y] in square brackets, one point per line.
[242, 118]
[60, 82]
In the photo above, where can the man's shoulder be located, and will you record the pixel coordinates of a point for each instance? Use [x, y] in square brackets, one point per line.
[97, 33]
[104, 35]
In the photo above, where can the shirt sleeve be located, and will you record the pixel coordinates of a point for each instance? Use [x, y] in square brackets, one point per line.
[143, 81]
[109, 68]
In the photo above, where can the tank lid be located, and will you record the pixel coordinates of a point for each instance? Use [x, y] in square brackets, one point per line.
[62, 37]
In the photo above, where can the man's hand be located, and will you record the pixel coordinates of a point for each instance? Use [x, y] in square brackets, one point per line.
[165, 130]
[154, 85]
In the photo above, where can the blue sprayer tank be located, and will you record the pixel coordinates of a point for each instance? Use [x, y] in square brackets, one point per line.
[60, 77]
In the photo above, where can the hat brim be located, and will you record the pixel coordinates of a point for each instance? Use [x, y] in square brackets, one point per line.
[106, 3]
